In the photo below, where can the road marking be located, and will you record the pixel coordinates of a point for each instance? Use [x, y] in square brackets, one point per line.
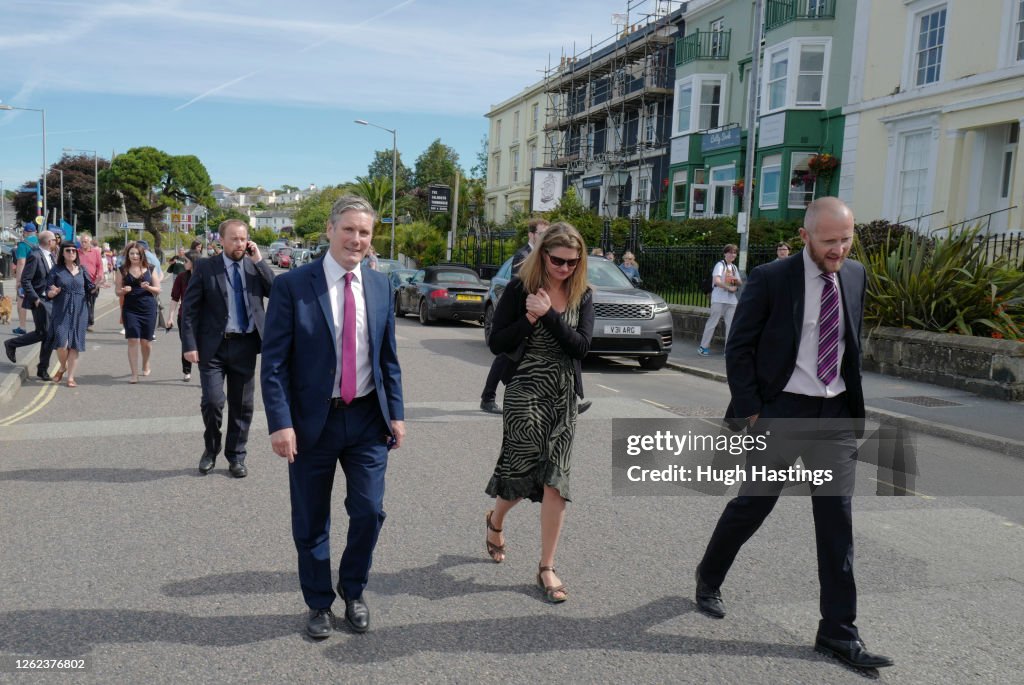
[656, 404]
[42, 398]
[605, 387]
[907, 490]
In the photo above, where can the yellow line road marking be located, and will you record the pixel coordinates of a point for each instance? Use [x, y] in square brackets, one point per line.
[41, 399]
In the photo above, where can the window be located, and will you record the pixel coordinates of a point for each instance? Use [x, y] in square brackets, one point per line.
[515, 126]
[650, 123]
[796, 74]
[535, 118]
[931, 29]
[643, 190]
[679, 193]
[771, 180]
[532, 155]
[710, 107]
[722, 180]
[1019, 33]
[699, 194]
[515, 165]
[801, 180]
[816, 8]
[717, 29]
[496, 169]
[497, 134]
[913, 174]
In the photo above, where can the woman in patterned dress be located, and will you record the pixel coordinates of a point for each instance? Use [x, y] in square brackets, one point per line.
[68, 286]
[546, 318]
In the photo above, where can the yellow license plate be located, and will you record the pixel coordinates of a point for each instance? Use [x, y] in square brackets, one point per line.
[470, 298]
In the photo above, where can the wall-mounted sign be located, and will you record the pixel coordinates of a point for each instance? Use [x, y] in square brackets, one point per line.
[717, 140]
[680, 150]
[546, 187]
[592, 182]
[439, 199]
[771, 130]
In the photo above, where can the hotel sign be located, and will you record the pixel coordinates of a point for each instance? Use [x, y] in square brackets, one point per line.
[717, 140]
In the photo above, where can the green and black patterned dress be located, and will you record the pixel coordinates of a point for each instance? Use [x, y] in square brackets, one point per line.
[539, 421]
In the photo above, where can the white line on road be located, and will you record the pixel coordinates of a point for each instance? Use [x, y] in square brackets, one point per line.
[605, 387]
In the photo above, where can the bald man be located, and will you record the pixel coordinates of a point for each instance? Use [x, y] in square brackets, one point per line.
[794, 353]
[33, 281]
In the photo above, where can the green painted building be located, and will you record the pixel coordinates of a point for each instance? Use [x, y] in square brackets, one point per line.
[805, 75]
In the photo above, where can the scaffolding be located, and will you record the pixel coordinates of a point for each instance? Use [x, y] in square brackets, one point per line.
[609, 109]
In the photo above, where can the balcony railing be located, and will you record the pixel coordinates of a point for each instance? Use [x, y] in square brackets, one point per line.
[703, 45]
[780, 12]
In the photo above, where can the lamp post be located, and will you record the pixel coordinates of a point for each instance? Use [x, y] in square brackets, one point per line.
[96, 181]
[394, 174]
[43, 113]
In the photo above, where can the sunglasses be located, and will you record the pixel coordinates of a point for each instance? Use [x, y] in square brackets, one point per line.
[70, 249]
[558, 261]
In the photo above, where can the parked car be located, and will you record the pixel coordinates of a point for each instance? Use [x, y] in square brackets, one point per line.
[386, 266]
[284, 257]
[628, 321]
[299, 257]
[400, 276]
[319, 251]
[442, 292]
[272, 249]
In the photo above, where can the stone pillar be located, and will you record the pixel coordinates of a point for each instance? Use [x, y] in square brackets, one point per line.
[955, 185]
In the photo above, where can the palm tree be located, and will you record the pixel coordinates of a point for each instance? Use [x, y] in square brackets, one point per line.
[377, 191]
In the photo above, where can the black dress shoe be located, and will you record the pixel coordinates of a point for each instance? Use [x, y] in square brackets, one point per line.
[583, 406]
[851, 652]
[490, 406]
[357, 614]
[238, 469]
[318, 625]
[44, 375]
[206, 463]
[9, 349]
[709, 599]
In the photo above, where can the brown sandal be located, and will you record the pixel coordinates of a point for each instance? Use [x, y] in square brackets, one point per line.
[494, 550]
[551, 592]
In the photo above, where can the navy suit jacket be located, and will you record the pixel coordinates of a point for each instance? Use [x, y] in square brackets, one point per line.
[299, 360]
[204, 309]
[33, 278]
[760, 354]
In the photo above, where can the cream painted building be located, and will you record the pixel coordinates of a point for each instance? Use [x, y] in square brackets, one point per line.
[515, 146]
[935, 110]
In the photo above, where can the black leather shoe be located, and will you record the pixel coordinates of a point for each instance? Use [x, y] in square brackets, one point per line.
[9, 349]
[44, 375]
[318, 625]
[851, 652]
[583, 406]
[709, 599]
[206, 463]
[490, 406]
[357, 614]
[238, 469]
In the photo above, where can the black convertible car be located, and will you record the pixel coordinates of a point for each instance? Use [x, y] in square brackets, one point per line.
[442, 292]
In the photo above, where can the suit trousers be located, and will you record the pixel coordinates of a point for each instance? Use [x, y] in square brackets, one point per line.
[498, 367]
[235, 361]
[41, 320]
[354, 436]
[833, 519]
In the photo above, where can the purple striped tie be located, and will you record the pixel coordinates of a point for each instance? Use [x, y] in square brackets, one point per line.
[348, 344]
[828, 331]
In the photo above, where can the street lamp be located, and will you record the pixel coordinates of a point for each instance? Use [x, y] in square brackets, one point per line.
[96, 181]
[43, 112]
[394, 174]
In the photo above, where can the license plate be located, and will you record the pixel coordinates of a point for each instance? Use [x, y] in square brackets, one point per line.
[469, 298]
[622, 330]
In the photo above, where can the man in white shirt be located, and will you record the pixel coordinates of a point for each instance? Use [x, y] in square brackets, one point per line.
[33, 281]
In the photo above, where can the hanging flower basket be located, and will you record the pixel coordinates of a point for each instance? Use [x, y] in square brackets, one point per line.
[737, 187]
[823, 164]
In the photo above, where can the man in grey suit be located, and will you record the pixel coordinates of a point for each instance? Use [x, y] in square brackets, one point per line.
[794, 353]
[222, 331]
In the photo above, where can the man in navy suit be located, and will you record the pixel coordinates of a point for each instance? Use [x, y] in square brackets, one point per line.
[332, 390]
[221, 330]
[33, 279]
[794, 353]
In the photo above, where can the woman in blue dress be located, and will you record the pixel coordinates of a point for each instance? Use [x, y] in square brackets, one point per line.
[135, 280]
[68, 286]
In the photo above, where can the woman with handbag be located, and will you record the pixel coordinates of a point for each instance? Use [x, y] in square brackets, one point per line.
[544, 322]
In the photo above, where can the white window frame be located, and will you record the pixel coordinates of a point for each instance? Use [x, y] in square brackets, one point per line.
[496, 158]
[679, 183]
[513, 157]
[535, 117]
[678, 125]
[771, 164]
[515, 126]
[1011, 42]
[496, 143]
[916, 10]
[799, 199]
[700, 178]
[696, 83]
[726, 185]
[717, 30]
[793, 48]
[532, 153]
[897, 129]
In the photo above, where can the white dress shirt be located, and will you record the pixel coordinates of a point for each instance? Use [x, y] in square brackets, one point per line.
[335, 275]
[804, 380]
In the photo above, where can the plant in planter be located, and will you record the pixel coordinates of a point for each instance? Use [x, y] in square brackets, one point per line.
[823, 164]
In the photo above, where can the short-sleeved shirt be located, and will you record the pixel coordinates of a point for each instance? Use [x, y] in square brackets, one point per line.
[721, 294]
[25, 246]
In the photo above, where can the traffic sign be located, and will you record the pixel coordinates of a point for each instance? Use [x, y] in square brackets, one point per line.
[131, 226]
[386, 219]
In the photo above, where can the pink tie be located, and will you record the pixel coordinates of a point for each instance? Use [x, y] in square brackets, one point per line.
[348, 344]
[828, 331]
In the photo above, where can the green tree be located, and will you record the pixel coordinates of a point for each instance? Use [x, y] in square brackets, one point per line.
[262, 236]
[381, 167]
[479, 170]
[377, 191]
[150, 181]
[315, 210]
[437, 164]
[79, 191]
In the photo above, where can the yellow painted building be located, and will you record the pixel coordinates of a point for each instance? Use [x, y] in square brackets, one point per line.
[935, 110]
[515, 146]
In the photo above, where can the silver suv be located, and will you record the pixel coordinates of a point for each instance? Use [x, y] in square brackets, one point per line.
[628, 321]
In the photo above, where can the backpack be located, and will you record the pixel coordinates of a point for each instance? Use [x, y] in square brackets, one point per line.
[707, 284]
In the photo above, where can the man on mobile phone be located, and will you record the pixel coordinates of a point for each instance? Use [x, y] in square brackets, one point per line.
[222, 331]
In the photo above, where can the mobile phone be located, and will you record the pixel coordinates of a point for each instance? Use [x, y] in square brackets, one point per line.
[391, 442]
[249, 250]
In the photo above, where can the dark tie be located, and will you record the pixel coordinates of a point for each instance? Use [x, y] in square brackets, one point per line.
[828, 331]
[348, 343]
[236, 285]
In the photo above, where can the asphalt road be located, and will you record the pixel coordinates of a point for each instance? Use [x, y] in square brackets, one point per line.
[114, 550]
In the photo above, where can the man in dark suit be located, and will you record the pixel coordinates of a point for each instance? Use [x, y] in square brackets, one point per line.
[333, 315]
[794, 353]
[221, 329]
[33, 280]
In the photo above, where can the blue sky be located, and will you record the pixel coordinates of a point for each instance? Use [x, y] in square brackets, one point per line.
[266, 93]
